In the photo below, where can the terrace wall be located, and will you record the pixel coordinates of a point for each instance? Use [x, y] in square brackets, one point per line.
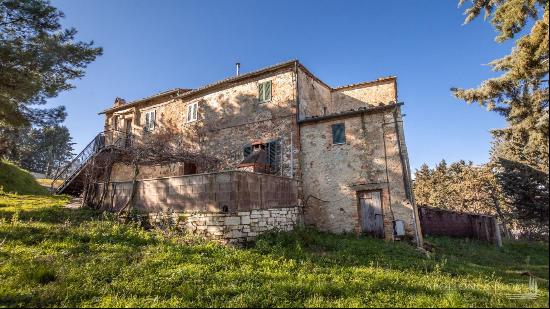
[232, 206]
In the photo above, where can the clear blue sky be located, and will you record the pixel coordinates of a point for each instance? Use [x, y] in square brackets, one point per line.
[151, 46]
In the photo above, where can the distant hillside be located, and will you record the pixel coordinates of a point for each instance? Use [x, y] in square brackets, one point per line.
[17, 180]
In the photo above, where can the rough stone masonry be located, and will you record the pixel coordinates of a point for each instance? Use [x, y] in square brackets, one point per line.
[345, 146]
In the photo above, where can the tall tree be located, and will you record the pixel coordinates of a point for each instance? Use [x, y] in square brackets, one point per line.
[42, 150]
[520, 94]
[38, 58]
[462, 187]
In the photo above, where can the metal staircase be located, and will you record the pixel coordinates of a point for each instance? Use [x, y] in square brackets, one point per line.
[72, 175]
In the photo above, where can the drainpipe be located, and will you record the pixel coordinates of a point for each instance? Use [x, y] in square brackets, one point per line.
[407, 178]
[297, 94]
[291, 155]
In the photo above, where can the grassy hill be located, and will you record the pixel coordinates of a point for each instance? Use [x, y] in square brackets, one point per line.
[17, 180]
[52, 256]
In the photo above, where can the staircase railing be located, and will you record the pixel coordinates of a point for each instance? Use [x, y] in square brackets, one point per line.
[113, 138]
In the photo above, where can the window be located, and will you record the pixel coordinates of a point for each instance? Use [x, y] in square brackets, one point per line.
[338, 134]
[247, 150]
[192, 111]
[264, 92]
[273, 149]
[189, 168]
[150, 118]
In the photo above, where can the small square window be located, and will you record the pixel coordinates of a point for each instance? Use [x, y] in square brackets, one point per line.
[192, 112]
[264, 92]
[338, 134]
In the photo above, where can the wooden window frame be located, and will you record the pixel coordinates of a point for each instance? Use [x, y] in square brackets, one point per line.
[192, 113]
[150, 122]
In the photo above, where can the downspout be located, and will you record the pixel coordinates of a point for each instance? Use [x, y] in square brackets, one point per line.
[291, 155]
[407, 178]
[297, 94]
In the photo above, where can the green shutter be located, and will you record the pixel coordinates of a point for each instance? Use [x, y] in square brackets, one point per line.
[261, 92]
[264, 92]
[274, 155]
[247, 150]
[267, 88]
[338, 133]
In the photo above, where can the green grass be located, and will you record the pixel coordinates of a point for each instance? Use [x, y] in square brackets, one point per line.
[48, 182]
[52, 256]
[14, 179]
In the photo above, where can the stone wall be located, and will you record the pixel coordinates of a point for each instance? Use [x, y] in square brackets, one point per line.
[314, 96]
[374, 156]
[369, 160]
[231, 118]
[374, 93]
[232, 228]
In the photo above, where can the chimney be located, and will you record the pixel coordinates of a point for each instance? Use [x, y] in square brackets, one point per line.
[119, 101]
[238, 64]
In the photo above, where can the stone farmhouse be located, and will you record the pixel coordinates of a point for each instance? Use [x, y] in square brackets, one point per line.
[293, 150]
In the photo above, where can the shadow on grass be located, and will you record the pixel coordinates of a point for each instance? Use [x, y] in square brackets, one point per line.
[88, 257]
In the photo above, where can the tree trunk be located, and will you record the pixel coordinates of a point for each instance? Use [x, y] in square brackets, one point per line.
[130, 201]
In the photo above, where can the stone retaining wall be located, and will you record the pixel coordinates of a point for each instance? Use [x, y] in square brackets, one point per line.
[231, 228]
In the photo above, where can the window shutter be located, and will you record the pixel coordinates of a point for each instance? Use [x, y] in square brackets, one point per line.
[147, 121]
[338, 133]
[267, 89]
[247, 150]
[153, 121]
[188, 113]
[261, 92]
[195, 112]
[274, 155]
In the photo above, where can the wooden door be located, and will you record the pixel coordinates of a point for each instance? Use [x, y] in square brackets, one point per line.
[370, 210]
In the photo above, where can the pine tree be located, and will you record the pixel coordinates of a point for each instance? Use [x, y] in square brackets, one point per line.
[38, 58]
[520, 94]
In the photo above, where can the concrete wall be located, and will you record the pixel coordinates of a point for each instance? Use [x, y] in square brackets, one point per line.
[122, 172]
[226, 192]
